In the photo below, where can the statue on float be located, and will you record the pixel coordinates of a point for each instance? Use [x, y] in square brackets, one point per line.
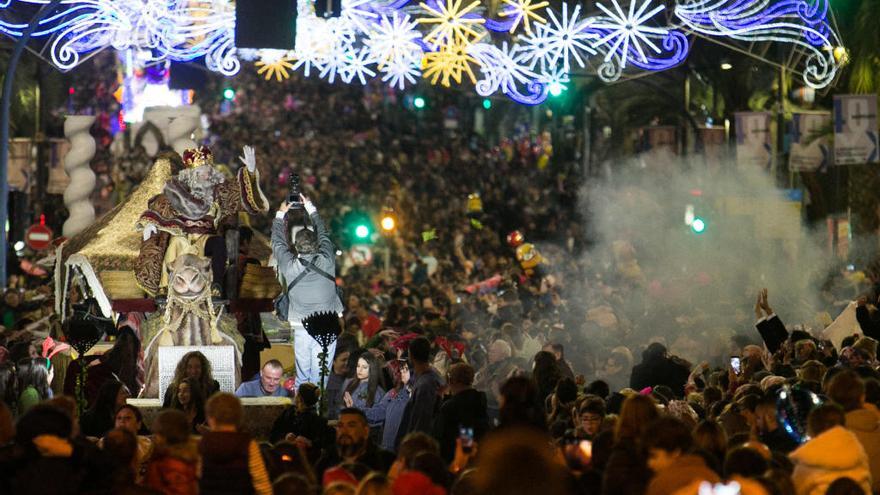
[189, 318]
[189, 215]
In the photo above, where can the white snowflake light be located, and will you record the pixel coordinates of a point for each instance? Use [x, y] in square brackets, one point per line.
[500, 67]
[336, 62]
[358, 14]
[393, 38]
[400, 72]
[627, 29]
[312, 44]
[562, 38]
[358, 66]
[539, 49]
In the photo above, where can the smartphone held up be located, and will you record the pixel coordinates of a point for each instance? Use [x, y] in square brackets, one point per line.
[736, 364]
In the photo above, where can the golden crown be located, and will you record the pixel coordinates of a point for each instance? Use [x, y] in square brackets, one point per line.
[196, 157]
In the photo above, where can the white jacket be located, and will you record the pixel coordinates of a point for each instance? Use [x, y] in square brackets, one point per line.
[835, 453]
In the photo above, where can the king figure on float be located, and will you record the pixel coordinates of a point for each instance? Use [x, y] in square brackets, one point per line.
[183, 254]
[188, 216]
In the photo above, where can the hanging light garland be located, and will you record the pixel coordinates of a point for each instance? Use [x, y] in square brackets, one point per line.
[442, 41]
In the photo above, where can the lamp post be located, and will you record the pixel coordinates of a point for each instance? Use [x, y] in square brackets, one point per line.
[5, 103]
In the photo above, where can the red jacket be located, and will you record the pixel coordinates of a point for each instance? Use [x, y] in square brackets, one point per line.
[172, 475]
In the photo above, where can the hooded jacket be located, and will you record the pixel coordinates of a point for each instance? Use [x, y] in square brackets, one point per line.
[835, 453]
[865, 424]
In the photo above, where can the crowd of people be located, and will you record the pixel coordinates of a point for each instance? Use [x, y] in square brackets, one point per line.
[458, 371]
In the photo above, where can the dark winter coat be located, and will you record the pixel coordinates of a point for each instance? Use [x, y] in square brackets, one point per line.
[467, 409]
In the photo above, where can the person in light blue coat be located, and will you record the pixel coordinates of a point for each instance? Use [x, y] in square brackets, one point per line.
[365, 390]
[392, 406]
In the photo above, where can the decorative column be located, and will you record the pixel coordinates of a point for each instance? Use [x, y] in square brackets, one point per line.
[180, 131]
[82, 179]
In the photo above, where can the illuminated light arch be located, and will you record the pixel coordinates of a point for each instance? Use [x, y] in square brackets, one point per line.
[442, 41]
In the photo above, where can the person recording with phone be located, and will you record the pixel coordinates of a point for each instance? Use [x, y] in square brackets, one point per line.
[463, 414]
[308, 275]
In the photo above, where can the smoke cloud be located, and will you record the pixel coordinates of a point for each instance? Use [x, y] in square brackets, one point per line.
[661, 280]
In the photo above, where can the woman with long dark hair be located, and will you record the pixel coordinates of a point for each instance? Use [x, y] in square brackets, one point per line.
[389, 410]
[546, 373]
[196, 366]
[364, 390]
[191, 400]
[34, 377]
[101, 418]
[8, 386]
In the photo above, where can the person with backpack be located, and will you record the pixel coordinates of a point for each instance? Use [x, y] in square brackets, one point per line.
[308, 275]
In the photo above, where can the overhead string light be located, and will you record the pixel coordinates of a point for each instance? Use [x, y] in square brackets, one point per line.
[803, 23]
[524, 51]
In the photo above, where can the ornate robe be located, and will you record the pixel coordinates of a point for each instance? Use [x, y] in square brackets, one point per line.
[185, 222]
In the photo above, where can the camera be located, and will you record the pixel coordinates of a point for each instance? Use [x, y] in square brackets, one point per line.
[293, 199]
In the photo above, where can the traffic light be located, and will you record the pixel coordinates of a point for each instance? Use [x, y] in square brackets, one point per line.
[487, 103]
[556, 88]
[419, 102]
[362, 231]
[698, 226]
[229, 94]
[388, 221]
[357, 228]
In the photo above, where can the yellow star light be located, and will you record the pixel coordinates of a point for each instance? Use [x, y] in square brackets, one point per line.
[451, 24]
[524, 11]
[448, 64]
[276, 68]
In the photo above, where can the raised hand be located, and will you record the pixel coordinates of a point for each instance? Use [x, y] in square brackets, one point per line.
[307, 204]
[765, 305]
[149, 230]
[249, 158]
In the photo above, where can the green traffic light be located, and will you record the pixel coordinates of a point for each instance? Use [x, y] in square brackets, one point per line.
[698, 226]
[487, 103]
[556, 88]
[229, 93]
[362, 231]
[419, 102]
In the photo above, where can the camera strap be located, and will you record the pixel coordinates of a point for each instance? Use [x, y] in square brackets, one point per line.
[309, 266]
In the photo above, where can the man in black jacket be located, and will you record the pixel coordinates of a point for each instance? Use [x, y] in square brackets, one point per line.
[657, 368]
[769, 431]
[300, 423]
[868, 321]
[353, 445]
[464, 408]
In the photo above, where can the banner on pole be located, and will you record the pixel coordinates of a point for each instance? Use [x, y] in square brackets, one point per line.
[754, 145]
[810, 141]
[855, 129]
